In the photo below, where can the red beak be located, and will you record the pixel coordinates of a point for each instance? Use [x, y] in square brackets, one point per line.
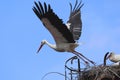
[107, 56]
[40, 48]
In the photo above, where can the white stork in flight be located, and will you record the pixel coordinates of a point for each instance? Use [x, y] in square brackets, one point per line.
[65, 35]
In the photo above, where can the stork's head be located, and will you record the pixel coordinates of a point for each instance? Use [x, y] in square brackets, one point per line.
[110, 55]
[41, 45]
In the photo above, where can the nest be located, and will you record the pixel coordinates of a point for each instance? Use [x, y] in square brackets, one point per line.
[101, 73]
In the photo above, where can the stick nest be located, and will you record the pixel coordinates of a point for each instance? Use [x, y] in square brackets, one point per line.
[101, 73]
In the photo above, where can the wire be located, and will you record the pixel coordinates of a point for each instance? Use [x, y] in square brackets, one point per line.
[54, 73]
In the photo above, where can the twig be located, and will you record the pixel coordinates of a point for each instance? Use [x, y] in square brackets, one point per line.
[113, 72]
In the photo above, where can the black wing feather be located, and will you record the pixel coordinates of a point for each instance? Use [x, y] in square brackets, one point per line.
[54, 20]
[45, 6]
[75, 20]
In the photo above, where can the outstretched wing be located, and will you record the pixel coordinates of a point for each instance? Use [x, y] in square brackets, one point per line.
[74, 23]
[51, 21]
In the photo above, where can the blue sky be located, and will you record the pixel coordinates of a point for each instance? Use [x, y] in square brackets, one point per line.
[21, 33]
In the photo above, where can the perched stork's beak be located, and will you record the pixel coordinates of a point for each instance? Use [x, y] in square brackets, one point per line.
[107, 56]
[40, 48]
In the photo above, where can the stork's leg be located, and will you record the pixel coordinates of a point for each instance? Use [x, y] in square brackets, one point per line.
[84, 57]
[80, 57]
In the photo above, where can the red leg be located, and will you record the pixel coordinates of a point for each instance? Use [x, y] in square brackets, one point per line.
[84, 57]
[80, 57]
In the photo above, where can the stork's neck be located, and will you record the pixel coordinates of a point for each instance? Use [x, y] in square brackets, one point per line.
[50, 45]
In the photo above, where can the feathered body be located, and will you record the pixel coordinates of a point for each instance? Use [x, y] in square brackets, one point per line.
[65, 35]
[114, 57]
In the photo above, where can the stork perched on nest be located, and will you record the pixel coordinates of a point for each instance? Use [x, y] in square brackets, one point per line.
[65, 35]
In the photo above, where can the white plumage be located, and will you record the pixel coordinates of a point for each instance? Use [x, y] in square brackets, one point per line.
[116, 64]
[65, 35]
[114, 57]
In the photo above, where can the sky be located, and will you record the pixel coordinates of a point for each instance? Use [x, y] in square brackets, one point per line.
[21, 33]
